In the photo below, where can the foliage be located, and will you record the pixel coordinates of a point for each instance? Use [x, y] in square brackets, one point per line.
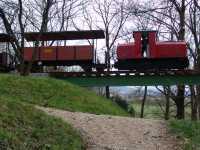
[121, 102]
[124, 105]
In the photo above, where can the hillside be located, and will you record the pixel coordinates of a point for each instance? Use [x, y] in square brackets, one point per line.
[50, 92]
[22, 127]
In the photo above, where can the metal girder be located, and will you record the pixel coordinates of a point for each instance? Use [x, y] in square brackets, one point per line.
[136, 80]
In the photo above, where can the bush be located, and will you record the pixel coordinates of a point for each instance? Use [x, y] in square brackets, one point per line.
[121, 102]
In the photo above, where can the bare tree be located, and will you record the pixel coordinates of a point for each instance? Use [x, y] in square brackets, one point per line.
[167, 106]
[143, 102]
[193, 104]
[20, 16]
[173, 18]
[112, 17]
[194, 27]
[20, 20]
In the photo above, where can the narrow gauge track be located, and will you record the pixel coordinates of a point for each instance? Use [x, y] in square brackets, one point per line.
[125, 73]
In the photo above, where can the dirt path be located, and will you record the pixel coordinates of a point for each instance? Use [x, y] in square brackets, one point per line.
[103, 132]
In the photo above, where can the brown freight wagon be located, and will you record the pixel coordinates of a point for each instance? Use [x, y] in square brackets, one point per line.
[60, 55]
[81, 55]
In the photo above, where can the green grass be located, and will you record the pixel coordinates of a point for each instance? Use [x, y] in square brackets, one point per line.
[153, 110]
[189, 131]
[22, 127]
[50, 92]
[150, 110]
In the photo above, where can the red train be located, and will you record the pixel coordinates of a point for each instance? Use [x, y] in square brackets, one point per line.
[145, 53]
[148, 53]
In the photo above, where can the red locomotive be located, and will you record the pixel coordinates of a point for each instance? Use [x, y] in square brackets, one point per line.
[148, 53]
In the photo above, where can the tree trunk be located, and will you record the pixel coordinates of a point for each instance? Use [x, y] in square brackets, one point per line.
[198, 99]
[180, 105]
[180, 97]
[167, 106]
[107, 92]
[193, 104]
[198, 86]
[143, 102]
[23, 70]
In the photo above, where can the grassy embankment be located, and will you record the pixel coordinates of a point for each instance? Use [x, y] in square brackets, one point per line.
[55, 93]
[24, 127]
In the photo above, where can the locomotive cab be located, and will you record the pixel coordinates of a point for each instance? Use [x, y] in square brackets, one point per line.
[167, 54]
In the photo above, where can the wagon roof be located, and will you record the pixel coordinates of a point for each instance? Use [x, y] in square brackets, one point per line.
[65, 35]
[5, 38]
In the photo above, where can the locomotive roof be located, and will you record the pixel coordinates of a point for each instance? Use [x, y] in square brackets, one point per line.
[145, 31]
[5, 38]
[65, 35]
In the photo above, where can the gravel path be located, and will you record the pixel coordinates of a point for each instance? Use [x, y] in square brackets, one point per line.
[102, 132]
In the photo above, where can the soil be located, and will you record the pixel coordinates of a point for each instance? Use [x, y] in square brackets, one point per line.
[103, 132]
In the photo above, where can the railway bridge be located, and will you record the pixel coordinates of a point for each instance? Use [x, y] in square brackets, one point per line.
[131, 78]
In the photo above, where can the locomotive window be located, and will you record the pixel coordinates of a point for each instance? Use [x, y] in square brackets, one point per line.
[146, 53]
[145, 47]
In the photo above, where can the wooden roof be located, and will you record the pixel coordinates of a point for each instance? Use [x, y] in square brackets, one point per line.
[5, 38]
[65, 35]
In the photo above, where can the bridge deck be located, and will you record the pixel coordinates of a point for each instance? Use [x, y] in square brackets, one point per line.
[116, 78]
